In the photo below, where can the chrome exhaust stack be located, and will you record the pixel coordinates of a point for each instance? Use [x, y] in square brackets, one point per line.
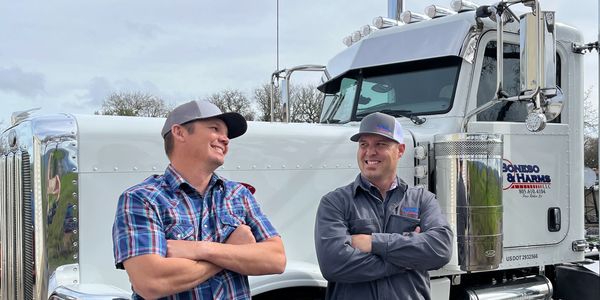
[533, 287]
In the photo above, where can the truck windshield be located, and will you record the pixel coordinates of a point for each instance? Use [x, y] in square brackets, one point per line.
[414, 88]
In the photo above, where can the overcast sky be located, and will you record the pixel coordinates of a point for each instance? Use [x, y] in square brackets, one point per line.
[67, 56]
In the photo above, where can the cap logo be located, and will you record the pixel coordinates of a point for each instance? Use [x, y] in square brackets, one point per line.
[383, 129]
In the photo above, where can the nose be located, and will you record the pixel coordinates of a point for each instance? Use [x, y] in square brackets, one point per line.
[370, 150]
[224, 139]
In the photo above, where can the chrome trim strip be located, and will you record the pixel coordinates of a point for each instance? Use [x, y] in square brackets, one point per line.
[39, 228]
[3, 233]
[17, 165]
[10, 230]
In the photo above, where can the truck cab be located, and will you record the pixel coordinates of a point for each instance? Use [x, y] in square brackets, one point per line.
[471, 137]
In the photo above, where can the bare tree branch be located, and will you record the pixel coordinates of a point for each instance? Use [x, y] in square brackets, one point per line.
[306, 104]
[134, 104]
[262, 97]
[305, 100]
[230, 100]
[590, 131]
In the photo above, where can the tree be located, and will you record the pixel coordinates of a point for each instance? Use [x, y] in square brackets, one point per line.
[305, 106]
[229, 100]
[134, 104]
[262, 97]
[590, 131]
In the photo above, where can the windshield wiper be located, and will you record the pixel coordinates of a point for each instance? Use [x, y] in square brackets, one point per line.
[398, 113]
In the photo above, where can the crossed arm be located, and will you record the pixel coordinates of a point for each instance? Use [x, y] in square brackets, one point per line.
[346, 257]
[426, 248]
[247, 257]
[339, 259]
[189, 263]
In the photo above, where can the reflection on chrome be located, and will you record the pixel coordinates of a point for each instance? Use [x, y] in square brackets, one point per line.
[38, 204]
[469, 186]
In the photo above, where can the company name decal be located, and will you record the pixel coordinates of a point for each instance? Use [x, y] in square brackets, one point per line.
[529, 179]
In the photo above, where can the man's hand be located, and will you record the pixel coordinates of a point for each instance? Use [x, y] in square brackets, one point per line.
[241, 235]
[362, 242]
[182, 249]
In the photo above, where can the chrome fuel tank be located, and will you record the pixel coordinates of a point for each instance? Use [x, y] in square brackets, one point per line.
[469, 188]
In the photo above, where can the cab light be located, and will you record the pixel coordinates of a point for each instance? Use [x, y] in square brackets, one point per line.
[356, 36]
[411, 17]
[381, 22]
[434, 11]
[367, 29]
[462, 5]
[347, 41]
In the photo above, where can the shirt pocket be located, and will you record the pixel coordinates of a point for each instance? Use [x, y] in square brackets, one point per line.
[363, 226]
[180, 231]
[401, 224]
[227, 224]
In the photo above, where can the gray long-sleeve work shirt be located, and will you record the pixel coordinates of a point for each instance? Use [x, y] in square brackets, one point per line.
[399, 260]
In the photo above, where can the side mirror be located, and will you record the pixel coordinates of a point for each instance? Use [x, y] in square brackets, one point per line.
[538, 67]
[538, 52]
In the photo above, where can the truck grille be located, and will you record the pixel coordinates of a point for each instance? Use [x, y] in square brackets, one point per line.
[16, 227]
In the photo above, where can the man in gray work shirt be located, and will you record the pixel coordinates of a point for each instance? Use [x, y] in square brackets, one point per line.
[376, 238]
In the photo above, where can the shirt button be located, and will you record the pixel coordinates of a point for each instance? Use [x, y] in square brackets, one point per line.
[205, 226]
[179, 236]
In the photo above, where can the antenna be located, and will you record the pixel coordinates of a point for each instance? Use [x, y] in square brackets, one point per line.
[277, 34]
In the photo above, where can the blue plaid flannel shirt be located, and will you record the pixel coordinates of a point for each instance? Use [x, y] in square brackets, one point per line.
[166, 207]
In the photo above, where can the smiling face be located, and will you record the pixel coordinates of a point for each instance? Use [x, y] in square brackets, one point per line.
[208, 142]
[378, 158]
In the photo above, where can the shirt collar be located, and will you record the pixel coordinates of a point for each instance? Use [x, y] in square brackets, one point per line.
[175, 181]
[364, 184]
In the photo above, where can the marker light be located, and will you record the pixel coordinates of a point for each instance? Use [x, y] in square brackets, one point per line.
[434, 11]
[420, 172]
[347, 40]
[367, 29]
[463, 5]
[535, 121]
[381, 22]
[411, 17]
[420, 152]
[356, 36]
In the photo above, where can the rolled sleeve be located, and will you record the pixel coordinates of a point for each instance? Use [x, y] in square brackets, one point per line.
[261, 227]
[136, 230]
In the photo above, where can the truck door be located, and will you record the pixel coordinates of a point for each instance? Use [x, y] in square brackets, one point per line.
[535, 165]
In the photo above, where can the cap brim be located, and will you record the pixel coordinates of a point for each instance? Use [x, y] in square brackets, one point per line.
[236, 124]
[356, 137]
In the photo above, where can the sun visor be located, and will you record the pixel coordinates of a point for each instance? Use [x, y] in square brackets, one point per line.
[402, 44]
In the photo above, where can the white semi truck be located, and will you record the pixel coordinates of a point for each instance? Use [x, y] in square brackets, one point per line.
[503, 153]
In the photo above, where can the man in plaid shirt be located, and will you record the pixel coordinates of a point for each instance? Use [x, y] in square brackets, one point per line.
[190, 234]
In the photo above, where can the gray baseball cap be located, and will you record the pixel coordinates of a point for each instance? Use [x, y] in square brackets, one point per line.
[200, 110]
[380, 124]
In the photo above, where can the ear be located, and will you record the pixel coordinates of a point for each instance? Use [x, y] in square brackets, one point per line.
[401, 148]
[178, 132]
